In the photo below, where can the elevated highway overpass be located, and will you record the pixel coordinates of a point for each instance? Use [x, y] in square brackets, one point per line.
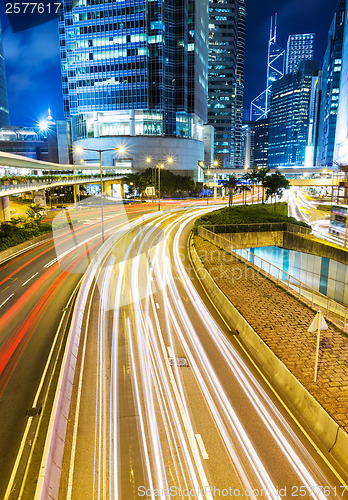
[302, 177]
[38, 188]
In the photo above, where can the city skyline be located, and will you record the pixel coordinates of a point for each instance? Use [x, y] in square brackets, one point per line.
[35, 84]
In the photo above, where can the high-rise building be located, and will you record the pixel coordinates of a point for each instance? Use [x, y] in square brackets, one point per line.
[261, 143]
[248, 132]
[226, 76]
[137, 70]
[341, 137]
[313, 121]
[259, 107]
[4, 112]
[238, 153]
[52, 146]
[299, 48]
[330, 87]
[289, 116]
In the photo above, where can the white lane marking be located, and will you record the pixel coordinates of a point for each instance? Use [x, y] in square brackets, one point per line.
[33, 276]
[201, 446]
[20, 451]
[78, 404]
[223, 344]
[170, 352]
[8, 298]
[157, 305]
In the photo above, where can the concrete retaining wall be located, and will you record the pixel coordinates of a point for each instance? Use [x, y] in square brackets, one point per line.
[318, 420]
[256, 239]
[306, 244]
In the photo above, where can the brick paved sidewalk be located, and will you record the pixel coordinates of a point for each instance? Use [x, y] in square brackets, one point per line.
[282, 321]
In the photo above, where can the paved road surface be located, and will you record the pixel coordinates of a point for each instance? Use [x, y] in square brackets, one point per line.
[166, 401]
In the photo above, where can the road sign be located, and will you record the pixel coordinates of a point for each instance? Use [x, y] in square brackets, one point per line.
[150, 191]
[317, 325]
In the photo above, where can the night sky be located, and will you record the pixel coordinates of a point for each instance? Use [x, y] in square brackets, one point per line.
[33, 69]
[294, 16]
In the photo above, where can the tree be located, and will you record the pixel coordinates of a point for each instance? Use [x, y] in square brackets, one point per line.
[171, 184]
[244, 189]
[253, 176]
[34, 214]
[231, 184]
[275, 185]
[16, 221]
[138, 181]
[262, 174]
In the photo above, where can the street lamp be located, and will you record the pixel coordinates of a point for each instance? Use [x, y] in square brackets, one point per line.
[159, 184]
[149, 160]
[120, 149]
[159, 165]
[169, 160]
[208, 173]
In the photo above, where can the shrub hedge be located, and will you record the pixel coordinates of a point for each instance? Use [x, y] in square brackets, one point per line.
[248, 214]
[12, 235]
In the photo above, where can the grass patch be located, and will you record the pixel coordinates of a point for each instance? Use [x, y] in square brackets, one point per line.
[324, 208]
[248, 214]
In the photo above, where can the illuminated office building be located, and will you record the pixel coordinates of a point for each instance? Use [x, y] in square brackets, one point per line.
[341, 137]
[226, 76]
[259, 106]
[4, 113]
[137, 71]
[299, 48]
[248, 131]
[330, 87]
[289, 116]
[261, 143]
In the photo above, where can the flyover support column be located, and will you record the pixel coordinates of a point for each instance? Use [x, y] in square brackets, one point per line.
[107, 188]
[39, 197]
[114, 189]
[215, 192]
[76, 188]
[5, 213]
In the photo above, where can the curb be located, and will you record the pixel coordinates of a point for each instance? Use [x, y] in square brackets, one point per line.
[52, 458]
[329, 433]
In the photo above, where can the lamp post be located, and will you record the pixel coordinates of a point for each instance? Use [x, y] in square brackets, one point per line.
[208, 173]
[148, 160]
[160, 164]
[100, 151]
[159, 184]
[169, 160]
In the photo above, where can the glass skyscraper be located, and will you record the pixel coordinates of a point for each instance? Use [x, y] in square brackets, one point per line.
[289, 116]
[135, 68]
[4, 112]
[299, 48]
[261, 143]
[330, 87]
[226, 76]
[341, 137]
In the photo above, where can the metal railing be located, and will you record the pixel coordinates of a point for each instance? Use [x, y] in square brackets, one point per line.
[257, 227]
[53, 183]
[329, 307]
